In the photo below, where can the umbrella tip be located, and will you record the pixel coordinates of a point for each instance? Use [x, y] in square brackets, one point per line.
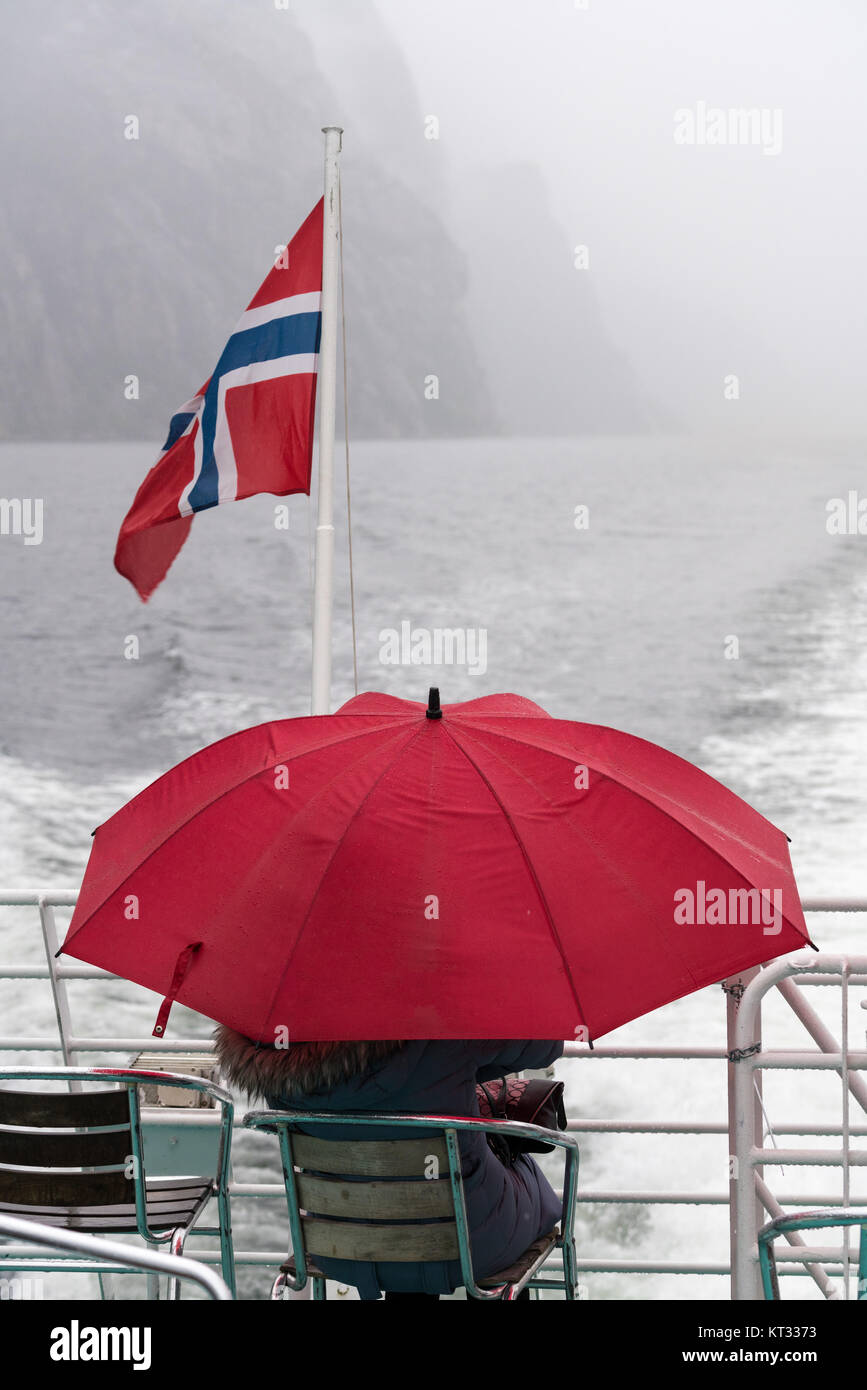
[433, 710]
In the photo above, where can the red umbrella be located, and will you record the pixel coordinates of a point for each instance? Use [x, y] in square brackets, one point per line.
[392, 871]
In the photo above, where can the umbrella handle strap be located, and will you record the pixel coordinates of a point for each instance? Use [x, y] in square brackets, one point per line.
[182, 965]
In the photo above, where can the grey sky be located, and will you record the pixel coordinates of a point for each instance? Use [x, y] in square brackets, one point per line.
[705, 260]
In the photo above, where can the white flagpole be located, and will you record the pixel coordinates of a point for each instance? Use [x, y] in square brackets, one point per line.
[323, 575]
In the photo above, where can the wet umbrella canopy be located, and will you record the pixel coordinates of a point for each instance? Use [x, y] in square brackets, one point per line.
[401, 871]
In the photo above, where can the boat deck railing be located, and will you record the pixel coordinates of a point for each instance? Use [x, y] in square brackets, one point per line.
[749, 1197]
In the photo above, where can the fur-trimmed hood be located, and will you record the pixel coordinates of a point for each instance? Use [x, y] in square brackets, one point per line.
[299, 1068]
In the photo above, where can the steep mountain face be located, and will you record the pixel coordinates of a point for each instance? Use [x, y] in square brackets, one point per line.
[535, 318]
[133, 257]
[552, 367]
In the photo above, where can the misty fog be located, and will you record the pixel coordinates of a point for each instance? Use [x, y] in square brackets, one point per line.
[521, 216]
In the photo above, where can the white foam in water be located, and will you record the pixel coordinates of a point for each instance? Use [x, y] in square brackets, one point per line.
[221, 713]
[812, 761]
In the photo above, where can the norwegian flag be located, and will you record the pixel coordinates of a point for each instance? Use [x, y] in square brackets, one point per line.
[249, 429]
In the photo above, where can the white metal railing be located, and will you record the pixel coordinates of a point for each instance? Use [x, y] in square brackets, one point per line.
[748, 1197]
[751, 1193]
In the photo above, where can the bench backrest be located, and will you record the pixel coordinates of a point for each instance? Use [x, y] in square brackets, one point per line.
[43, 1133]
[375, 1200]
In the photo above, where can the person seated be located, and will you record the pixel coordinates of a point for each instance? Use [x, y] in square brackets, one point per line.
[508, 1208]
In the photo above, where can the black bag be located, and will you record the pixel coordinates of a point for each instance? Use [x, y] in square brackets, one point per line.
[532, 1102]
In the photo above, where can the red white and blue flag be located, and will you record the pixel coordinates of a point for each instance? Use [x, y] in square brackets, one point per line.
[249, 429]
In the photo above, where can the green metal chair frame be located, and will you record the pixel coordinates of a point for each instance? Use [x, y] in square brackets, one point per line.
[809, 1221]
[286, 1125]
[22, 1143]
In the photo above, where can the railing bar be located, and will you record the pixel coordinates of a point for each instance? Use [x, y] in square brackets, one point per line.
[615, 1266]
[829, 1254]
[834, 904]
[635, 1054]
[255, 1258]
[651, 1128]
[699, 1199]
[58, 989]
[699, 1054]
[62, 972]
[30, 897]
[845, 1078]
[791, 1060]
[255, 1190]
[698, 1128]
[806, 1158]
[806, 1061]
[819, 980]
[29, 1044]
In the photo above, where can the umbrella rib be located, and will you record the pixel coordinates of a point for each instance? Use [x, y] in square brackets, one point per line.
[532, 872]
[636, 787]
[633, 791]
[227, 791]
[645, 793]
[598, 851]
[337, 846]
